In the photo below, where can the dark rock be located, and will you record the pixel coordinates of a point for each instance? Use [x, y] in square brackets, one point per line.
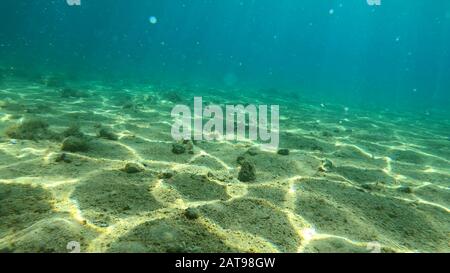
[75, 144]
[247, 172]
[178, 149]
[132, 168]
[74, 131]
[240, 159]
[33, 129]
[367, 186]
[107, 134]
[192, 213]
[63, 157]
[327, 164]
[283, 152]
[253, 151]
[165, 175]
[405, 189]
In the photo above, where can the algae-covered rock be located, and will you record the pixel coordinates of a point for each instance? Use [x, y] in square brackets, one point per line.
[283, 152]
[192, 213]
[405, 189]
[178, 149]
[75, 144]
[132, 168]
[247, 172]
[74, 130]
[107, 134]
[33, 129]
[63, 157]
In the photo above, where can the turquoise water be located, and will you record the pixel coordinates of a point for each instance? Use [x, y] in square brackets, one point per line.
[394, 54]
[88, 161]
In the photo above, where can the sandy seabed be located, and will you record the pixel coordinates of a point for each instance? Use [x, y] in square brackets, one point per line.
[353, 179]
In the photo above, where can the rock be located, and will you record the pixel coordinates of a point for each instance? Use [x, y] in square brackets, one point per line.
[33, 129]
[327, 164]
[63, 157]
[367, 186]
[132, 168]
[240, 159]
[178, 149]
[405, 189]
[247, 172]
[165, 175]
[75, 144]
[73, 130]
[253, 151]
[192, 213]
[283, 152]
[107, 134]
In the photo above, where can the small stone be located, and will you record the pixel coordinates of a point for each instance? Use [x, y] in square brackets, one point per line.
[132, 168]
[75, 144]
[63, 157]
[240, 159]
[107, 134]
[192, 213]
[13, 141]
[367, 186]
[252, 151]
[247, 172]
[405, 189]
[178, 149]
[327, 164]
[165, 175]
[283, 152]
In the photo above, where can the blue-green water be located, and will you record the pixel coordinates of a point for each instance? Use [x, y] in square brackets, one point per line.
[393, 54]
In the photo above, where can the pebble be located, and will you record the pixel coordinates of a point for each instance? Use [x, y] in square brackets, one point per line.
[405, 189]
[247, 172]
[178, 149]
[192, 213]
[132, 168]
[283, 152]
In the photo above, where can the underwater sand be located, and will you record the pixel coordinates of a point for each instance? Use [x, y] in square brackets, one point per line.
[352, 178]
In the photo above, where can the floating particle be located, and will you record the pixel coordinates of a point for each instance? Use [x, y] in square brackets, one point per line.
[331, 11]
[153, 20]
